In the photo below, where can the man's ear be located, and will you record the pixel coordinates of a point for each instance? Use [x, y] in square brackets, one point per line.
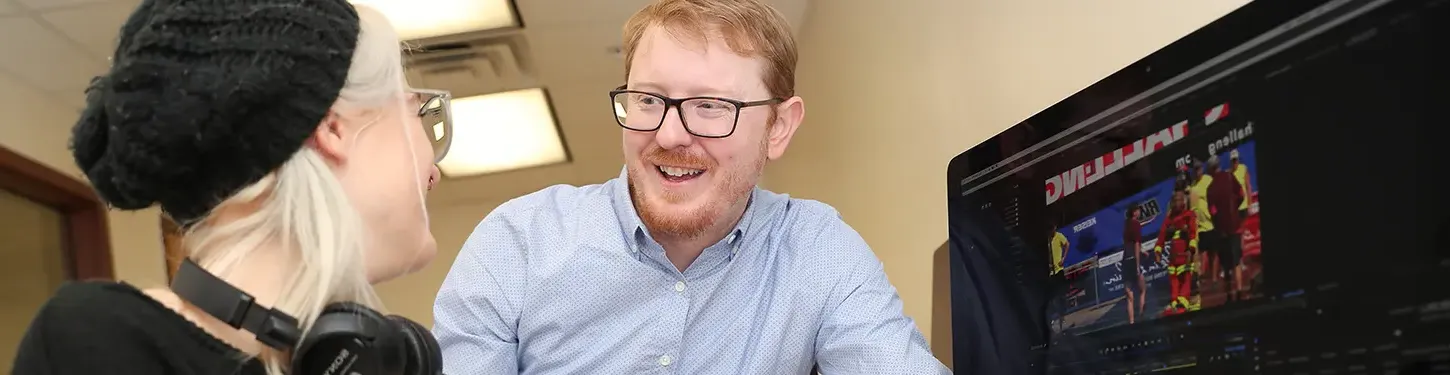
[330, 140]
[788, 117]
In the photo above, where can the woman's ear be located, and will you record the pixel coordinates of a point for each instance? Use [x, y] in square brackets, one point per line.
[330, 140]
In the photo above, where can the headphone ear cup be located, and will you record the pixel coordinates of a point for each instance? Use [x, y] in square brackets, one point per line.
[424, 357]
[351, 335]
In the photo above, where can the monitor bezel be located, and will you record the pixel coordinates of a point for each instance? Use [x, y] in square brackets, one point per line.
[1217, 37]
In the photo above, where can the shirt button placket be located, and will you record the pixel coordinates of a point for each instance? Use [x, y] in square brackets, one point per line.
[678, 320]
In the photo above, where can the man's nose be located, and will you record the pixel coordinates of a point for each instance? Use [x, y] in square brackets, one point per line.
[672, 133]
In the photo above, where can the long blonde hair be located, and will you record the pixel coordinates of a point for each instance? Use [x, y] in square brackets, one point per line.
[303, 207]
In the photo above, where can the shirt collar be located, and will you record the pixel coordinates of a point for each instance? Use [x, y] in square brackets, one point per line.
[632, 226]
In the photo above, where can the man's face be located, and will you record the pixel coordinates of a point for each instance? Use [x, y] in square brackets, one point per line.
[682, 184]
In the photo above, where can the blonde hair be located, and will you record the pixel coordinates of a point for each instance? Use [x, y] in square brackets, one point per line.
[749, 28]
[302, 205]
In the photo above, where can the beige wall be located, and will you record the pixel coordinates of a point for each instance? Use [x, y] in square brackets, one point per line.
[893, 92]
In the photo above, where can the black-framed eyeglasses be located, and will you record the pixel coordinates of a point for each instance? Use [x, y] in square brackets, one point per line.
[436, 111]
[703, 116]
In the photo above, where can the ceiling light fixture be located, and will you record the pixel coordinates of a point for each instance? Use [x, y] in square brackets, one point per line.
[422, 19]
[501, 132]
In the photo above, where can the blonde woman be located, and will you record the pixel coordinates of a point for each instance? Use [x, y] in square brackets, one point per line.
[282, 135]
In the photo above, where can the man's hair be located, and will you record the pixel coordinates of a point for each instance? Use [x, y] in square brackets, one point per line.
[749, 28]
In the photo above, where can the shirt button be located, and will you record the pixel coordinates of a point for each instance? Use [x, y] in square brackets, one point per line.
[679, 287]
[666, 360]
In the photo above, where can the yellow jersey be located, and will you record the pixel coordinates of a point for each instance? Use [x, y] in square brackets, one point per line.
[1059, 243]
[1198, 202]
[1241, 173]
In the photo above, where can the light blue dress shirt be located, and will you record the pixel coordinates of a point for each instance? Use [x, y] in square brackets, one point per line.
[568, 281]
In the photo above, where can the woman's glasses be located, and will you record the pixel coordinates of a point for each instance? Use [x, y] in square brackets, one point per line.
[437, 115]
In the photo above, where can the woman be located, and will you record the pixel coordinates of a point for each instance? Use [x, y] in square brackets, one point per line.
[282, 135]
[1133, 281]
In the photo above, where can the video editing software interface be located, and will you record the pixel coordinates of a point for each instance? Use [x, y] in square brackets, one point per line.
[1269, 211]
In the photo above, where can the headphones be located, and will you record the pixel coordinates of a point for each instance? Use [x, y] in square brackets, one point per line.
[347, 338]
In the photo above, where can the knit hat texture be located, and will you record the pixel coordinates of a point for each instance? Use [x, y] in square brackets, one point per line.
[205, 97]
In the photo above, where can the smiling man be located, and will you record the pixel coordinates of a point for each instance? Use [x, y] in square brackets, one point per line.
[681, 264]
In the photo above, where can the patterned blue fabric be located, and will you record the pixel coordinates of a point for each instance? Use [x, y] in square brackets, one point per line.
[568, 281]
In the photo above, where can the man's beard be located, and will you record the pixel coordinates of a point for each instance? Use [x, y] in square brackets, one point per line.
[731, 186]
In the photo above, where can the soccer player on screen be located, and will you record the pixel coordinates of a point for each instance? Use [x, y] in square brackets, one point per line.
[1207, 264]
[1133, 284]
[1180, 235]
[1241, 172]
[1059, 249]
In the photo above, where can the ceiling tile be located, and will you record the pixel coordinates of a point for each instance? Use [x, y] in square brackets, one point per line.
[8, 8]
[563, 53]
[555, 13]
[71, 100]
[94, 27]
[43, 58]
[52, 4]
[582, 107]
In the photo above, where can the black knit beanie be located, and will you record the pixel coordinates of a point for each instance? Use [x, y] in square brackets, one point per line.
[205, 97]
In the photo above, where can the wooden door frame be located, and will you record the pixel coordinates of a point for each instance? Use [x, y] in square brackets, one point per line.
[87, 243]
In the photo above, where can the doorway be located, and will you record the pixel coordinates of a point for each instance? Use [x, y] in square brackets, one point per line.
[31, 265]
[52, 230]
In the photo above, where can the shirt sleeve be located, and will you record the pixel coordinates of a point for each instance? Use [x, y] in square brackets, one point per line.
[865, 330]
[475, 315]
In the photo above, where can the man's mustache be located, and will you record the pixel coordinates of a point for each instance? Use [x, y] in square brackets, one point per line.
[678, 158]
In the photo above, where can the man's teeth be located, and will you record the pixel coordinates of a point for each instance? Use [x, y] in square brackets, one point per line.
[679, 172]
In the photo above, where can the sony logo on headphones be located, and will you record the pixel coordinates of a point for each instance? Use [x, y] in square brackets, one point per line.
[343, 360]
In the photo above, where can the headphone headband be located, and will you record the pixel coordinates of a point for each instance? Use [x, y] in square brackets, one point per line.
[235, 307]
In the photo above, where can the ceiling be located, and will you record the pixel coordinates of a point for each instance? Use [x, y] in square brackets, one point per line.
[54, 47]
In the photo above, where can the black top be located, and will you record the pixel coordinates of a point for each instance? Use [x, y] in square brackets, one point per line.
[102, 327]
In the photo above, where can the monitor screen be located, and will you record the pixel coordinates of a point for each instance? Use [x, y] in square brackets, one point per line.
[1255, 198]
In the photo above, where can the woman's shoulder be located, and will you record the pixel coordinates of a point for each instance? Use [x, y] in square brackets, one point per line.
[117, 326]
[99, 309]
[98, 302]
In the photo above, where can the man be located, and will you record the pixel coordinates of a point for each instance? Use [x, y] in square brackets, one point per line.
[681, 265]
[1241, 173]
[1133, 284]
[1206, 263]
[1059, 247]
[1224, 196]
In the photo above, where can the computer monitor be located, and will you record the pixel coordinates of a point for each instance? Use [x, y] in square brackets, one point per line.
[1260, 189]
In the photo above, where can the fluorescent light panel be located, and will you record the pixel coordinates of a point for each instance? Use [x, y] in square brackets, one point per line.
[419, 19]
[501, 132]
